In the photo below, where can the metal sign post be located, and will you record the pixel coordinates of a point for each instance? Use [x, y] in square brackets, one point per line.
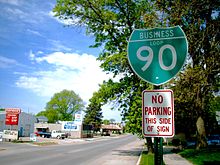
[158, 151]
[158, 148]
[158, 118]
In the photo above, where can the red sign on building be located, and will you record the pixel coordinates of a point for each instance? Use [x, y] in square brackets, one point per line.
[12, 116]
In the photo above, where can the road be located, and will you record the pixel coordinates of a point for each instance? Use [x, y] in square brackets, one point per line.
[86, 153]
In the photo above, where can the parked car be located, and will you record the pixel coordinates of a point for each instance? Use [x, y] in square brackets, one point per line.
[54, 134]
[213, 140]
[43, 134]
[58, 134]
[191, 143]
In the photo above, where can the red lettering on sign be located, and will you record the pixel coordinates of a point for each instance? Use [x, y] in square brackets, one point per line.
[150, 128]
[165, 121]
[151, 120]
[157, 99]
[157, 110]
[163, 129]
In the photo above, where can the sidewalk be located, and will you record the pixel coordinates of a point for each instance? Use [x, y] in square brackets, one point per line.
[170, 158]
[128, 154]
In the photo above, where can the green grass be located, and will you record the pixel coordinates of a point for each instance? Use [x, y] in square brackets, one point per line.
[202, 157]
[43, 143]
[147, 159]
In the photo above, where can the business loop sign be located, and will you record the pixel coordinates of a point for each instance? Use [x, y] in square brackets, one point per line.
[157, 55]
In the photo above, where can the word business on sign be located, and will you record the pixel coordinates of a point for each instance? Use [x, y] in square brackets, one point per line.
[158, 113]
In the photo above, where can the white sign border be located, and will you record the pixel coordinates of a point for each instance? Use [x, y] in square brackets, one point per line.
[172, 106]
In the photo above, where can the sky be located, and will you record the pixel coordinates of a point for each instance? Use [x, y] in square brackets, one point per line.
[40, 56]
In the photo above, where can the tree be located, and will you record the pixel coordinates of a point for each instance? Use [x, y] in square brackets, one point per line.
[112, 21]
[112, 121]
[93, 112]
[200, 20]
[52, 115]
[106, 122]
[62, 106]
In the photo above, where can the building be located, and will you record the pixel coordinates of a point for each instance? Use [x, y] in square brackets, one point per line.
[110, 129]
[25, 123]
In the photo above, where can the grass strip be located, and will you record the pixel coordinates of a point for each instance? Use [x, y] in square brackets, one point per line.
[203, 156]
[147, 158]
[44, 143]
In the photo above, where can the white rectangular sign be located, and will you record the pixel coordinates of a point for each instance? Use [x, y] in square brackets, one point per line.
[158, 113]
[9, 134]
[1, 134]
[69, 126]
[78, 119]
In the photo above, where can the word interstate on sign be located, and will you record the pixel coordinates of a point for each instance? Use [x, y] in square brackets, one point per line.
[158, 113]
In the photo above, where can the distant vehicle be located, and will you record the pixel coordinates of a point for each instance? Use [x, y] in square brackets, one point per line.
[43, 134]
[53, 134]
[213, 140]
[58, 134]
[190, 143]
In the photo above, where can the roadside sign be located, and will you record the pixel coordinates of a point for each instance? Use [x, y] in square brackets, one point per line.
[13, 110]
[158, 113]
[12, 116]
[10, 134]
[157, 55]
[78, 118]
[1, 134]
[33, 137]
[69, 126]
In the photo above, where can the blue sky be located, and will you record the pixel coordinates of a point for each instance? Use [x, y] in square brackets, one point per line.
[40, 56]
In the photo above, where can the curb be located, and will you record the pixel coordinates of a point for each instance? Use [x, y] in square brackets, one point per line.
[139, 160]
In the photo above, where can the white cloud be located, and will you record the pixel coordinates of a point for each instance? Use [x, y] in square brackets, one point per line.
[7, 62]
[24, 13]
[12, 2]
[58, 46]
[34, 32]
[73, 21]
[15, 14]
[80, 73]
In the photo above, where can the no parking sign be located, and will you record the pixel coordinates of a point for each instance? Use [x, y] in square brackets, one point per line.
[158, 113]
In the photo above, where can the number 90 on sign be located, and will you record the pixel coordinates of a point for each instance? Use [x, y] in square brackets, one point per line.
[149, 58]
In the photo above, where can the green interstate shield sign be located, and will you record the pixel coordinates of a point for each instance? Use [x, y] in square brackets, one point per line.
[157, 55]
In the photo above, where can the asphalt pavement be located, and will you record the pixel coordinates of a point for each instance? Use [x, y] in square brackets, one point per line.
[121, 150]
[127, 154]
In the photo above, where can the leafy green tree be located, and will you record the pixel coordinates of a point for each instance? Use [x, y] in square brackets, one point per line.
[112, 21]
[52, 115]
[200, 21]
[112, 121]
[62, 106]
[213, 107]
[106, 122]
[93, 112]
